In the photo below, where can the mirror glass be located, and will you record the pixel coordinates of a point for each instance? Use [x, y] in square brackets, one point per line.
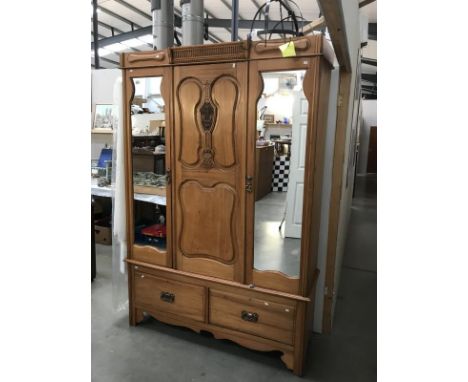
[149, 162]
[279, 172]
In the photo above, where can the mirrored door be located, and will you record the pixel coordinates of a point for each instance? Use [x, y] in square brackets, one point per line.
[149, 158]
[279, 172]
[281, 153]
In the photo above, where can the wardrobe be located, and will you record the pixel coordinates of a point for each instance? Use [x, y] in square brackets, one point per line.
[196, 255]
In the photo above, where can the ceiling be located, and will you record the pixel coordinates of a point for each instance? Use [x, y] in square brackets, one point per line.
[118, 17]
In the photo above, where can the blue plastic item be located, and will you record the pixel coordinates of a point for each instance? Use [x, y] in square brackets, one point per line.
[106, 155]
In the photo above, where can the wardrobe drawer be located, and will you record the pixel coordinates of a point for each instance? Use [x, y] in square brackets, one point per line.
[158, 294]
[255, 316]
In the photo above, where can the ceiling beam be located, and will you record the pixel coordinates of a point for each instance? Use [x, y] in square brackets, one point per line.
[332, 10]
[209, 14]
[369, 61]
[256, 3]
[116, 16]
[213, 23]
[110, 27]
[365, 2]
[125, 36]
[246, 24]
[316, 24]
[134, 9]
[135, 34]
[369, 77]
[99, 35]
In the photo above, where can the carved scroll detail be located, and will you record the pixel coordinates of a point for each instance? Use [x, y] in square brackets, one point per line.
[207, 116]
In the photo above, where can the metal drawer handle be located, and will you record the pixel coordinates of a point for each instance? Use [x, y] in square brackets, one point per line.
[168, 297]
[249, 316]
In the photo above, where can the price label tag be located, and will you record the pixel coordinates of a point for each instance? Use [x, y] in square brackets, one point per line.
[288, 49]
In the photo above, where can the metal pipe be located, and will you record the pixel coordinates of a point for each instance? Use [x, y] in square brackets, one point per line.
[192, 22]
[163, 23]
[235, 20]
[95, 35]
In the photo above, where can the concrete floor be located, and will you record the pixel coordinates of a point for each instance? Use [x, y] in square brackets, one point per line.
[272, 250]
[158, 352]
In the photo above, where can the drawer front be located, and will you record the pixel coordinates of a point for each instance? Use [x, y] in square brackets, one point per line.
[263, 318]
[158, 294]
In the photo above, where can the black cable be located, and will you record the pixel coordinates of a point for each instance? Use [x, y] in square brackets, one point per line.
[281, 18]
[287, 17]
[300, 11]
[176, 38]
[249, 35]
[291, 14]
[267, 14]
[206, 35]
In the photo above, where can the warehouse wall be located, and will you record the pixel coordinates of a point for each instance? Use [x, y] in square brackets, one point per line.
[369, 118]
[102, 87]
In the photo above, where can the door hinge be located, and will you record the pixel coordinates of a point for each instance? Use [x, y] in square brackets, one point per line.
[340, 101]
[168, 176]
[248, 184]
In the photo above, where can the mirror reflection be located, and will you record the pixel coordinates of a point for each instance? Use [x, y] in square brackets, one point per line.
[279, 172]
[149, 162]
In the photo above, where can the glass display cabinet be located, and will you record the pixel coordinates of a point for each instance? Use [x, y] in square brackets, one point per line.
[224, 205]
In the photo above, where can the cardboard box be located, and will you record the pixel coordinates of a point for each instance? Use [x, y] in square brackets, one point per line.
[103, 231]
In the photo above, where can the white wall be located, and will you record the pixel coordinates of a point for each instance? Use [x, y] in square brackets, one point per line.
[369, 118]
[325, 203]
[102, 88]
[353, 35]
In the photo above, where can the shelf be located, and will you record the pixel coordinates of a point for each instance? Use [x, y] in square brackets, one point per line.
[160, 191]
[107, 192]
[283, 125]
[102, 131]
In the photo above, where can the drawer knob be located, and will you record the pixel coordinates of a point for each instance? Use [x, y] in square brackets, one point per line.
[249, 316]
[168, 297]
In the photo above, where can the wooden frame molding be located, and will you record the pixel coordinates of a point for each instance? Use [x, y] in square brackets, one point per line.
[335, 198]
[333, 12]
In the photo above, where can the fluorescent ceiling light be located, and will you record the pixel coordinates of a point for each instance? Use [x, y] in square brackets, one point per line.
[147, 38]
[116, 47]
[102, 52]
[132, 42]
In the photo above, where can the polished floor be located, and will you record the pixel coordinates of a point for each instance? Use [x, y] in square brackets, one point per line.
[274, 251]
[155, 351]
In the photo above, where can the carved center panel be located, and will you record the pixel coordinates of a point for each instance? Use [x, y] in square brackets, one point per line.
[207, 122]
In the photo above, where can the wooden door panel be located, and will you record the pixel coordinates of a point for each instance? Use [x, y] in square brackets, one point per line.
[209, 177]
[189, 96]
[225, 97]
[206, 220]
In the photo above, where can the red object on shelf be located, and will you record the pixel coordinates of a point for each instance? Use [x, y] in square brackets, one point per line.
[155, 230]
